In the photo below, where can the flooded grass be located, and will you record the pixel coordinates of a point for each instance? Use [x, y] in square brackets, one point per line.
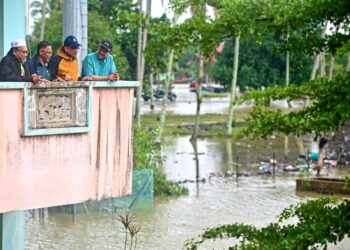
[210, 124]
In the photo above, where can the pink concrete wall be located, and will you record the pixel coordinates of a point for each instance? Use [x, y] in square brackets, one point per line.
[44, 171]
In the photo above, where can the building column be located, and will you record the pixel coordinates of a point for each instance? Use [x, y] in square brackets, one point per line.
[12, 23]
[75, 23]
[12, 233]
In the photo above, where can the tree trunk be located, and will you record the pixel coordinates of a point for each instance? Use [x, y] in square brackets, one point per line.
[139, 62]
[43, 19]
[287, 74]
[331, 67]
[317, 64]
[322, 54]
[322, 65]
[165, 96]
[195, 151]
[141, 45]
[233, 87]
[198, 98]
[348, 64]
[286, 139]
[315, 67]
[229, 152]
[151, 87]
[300, 144]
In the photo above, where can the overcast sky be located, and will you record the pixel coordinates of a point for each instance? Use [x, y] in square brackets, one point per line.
[157, 10]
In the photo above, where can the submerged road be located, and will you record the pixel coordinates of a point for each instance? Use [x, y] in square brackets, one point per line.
[185, 103]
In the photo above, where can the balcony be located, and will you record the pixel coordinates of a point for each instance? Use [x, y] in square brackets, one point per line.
[64, 143]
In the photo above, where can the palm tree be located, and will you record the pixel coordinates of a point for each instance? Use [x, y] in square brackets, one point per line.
[40, 9]
[200, 75]
[37, 8]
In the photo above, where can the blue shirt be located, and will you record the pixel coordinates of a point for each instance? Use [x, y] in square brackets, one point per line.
[92, 65]
[36, 67]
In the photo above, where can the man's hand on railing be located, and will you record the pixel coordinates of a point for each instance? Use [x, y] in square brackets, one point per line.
[113, 77]
[87, 78]
[38, 79]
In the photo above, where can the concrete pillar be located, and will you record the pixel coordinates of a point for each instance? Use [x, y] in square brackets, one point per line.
[12, 232]
[12, 26]
[12, 23]
[75, 23]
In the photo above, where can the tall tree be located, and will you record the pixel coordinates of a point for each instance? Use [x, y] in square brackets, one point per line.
[42, 9]
[198, 10]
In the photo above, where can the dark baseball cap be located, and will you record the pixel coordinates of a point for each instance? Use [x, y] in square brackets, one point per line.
[106, 44]
[71, 41]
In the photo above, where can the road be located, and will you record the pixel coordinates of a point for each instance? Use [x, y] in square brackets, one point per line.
[185, 103]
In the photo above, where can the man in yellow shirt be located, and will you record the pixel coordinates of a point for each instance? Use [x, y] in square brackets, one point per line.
[64, 65]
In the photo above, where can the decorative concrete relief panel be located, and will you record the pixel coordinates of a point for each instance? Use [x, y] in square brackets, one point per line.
[57, 109]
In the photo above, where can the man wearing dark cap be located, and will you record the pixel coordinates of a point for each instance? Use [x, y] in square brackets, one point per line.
[99, 66]
[64, 65]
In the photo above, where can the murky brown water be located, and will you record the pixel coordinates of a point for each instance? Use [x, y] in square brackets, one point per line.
[254, 200]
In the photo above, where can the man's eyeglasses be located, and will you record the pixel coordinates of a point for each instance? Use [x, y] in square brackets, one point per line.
[23, 51]
[48, 52]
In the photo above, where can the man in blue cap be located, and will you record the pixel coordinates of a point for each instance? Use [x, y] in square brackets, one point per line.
[64, 65]
[99, 66]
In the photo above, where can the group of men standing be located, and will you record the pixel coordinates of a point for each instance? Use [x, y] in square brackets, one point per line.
[97, 66]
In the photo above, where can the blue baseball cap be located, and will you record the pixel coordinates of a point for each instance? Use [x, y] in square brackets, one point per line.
[71, 41]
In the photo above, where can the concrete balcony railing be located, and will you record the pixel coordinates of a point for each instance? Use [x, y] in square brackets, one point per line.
[64, 143]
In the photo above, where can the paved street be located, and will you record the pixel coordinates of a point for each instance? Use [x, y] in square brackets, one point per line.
[185, 103]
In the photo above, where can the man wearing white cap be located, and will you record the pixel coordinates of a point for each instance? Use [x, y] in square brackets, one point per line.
[13, 67]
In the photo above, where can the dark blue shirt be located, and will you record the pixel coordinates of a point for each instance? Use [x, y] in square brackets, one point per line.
[36, 67]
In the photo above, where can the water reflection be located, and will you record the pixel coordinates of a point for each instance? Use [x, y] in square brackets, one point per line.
[221, 155]
[254, 200]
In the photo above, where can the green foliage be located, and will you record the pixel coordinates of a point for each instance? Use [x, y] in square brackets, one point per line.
[311, 230]
[98, 30]
[327, 111]
[53, 31]
[259, 64]
[162, 186]
[146, 151]
[147, 155]
[347, 182]
[127, 21]
[304, 19]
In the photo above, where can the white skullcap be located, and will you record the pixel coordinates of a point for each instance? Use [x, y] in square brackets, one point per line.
[18, 43]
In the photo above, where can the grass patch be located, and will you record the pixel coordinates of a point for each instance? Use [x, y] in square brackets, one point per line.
[211, 94]
[210, 124]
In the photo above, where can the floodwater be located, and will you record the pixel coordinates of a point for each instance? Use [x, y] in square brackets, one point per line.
[185, 103]
[169, 222]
